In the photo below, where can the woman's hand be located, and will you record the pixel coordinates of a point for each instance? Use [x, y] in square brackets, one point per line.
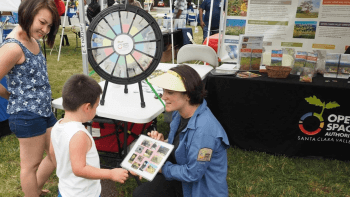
[156, 135]
[134, 174]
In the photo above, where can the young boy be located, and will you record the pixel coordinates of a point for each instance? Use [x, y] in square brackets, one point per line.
[72, 148]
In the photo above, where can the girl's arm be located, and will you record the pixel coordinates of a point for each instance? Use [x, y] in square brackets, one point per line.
[52, 154]
[9, 55]
[79, 145]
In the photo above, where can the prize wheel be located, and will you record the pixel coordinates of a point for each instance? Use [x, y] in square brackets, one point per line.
[125, 44]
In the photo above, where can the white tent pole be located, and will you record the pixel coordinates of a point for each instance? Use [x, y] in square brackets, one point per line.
[83, 37]
[222, 17]
[172, 31]
[210, 16]
[63, 26]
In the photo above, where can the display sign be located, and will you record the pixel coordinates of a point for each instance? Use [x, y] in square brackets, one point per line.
[305, 25]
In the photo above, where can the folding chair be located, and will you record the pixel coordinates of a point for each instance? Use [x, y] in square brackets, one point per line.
[53, 47]
[76, 26]
[65, 22]
[202, 52]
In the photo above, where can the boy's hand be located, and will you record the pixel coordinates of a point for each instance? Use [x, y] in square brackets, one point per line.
[156, 135]
[134, 174]
[119, 175]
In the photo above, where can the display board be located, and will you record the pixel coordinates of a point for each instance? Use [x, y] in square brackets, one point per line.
[305, 25]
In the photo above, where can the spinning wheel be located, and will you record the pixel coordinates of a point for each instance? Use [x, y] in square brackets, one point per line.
[125, 45]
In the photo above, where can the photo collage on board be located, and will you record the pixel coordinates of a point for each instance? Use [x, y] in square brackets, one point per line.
[148, 156]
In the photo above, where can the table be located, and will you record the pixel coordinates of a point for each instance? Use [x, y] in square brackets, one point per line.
[127, 107]
[272, 115]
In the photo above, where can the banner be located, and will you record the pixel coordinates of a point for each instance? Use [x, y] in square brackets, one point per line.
[305, 25]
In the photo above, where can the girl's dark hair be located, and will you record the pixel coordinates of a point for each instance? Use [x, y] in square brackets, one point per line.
[193, 83]
[78, 90]
[28, 9]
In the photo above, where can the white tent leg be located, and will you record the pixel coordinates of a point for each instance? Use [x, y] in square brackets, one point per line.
[63, 26]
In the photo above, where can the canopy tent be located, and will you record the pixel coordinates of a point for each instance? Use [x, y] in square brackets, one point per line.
[9, 6]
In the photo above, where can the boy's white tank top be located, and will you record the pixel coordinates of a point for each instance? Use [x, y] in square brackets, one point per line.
[70, 185]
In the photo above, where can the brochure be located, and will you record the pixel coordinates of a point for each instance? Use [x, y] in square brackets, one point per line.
[331, 65]
[244, 59]
[255, 62]
[299, 62]
[247, 43]
[311, 60]
[344, 66]
[147, 156]
[276, 57]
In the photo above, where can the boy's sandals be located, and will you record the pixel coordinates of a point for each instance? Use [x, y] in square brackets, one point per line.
[44, 192]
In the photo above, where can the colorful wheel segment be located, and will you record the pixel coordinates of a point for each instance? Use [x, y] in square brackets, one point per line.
[124, 43]
[310, 114]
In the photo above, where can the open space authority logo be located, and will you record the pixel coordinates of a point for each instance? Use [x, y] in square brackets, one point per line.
[337, 126]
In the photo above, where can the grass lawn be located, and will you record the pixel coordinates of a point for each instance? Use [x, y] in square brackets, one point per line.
[250, 173]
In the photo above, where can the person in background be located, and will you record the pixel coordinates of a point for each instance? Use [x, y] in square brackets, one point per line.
[29, 91]
[61, 9]
[189, 5]
[72, 147]
[72, 4]
[135, 3]
[215, 21]
[197, 166]
[85, 9]
[180, 9]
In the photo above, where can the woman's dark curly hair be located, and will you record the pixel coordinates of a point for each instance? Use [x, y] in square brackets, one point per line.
[27, 11]
[193, 83]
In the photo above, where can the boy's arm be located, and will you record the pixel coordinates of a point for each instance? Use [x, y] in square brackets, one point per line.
[52, 154]
[79, 145]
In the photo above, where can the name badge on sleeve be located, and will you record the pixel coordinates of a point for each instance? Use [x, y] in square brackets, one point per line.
[204, 154]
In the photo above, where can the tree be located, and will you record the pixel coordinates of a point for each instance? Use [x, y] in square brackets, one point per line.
[307, 5]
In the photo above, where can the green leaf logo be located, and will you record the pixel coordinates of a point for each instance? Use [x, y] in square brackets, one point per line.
[313, 100]
[331, 105]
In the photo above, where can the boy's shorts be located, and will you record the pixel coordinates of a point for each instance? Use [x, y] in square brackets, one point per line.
[59, 194]
[26, 124]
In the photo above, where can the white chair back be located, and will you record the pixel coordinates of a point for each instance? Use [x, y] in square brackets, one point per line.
[192, 52]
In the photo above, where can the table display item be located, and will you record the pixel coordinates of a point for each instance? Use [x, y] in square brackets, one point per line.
[225, 69]
[332, 63]
[247, 74]
[344, 66]
[276, 57]
[299, 62]
[307, 74]
[311, 60]
[125, 45]
[256, 61]
[278, 72]
[244, 59]
[147, 156]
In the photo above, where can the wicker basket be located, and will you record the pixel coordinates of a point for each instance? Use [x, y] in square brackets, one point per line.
[279, 72]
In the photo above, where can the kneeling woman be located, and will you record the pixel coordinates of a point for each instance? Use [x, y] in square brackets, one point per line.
[198, 164]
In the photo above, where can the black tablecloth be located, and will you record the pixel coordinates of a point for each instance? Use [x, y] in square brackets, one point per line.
[264, 114]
